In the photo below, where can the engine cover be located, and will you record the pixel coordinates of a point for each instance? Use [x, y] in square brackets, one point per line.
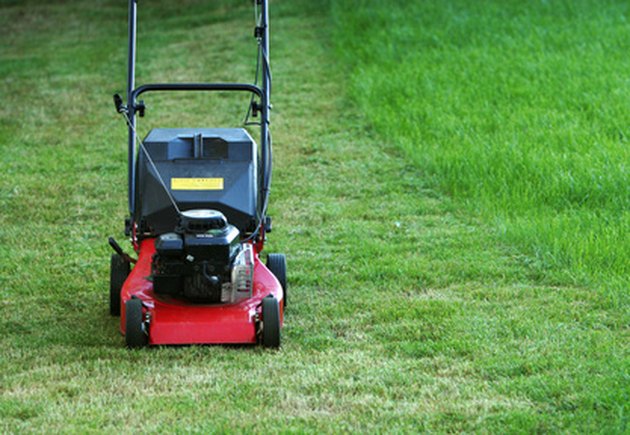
[196, 262]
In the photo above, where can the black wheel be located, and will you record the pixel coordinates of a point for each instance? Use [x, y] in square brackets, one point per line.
[271, 322]
[118, 273]
[135, 334]
[277, 264]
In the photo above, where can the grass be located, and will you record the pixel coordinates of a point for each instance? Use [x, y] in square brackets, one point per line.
[518, 109]
[408, 312]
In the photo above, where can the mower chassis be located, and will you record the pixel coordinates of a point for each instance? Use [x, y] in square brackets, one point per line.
[171, 321]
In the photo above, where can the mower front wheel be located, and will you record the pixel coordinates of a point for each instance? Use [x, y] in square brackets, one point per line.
[277, 264]
[135, 333]
[118, 273]
[271, 322]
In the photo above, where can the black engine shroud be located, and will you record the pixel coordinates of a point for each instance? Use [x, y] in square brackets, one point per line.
[195, 262]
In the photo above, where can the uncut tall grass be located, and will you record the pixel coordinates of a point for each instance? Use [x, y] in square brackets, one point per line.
[519, 109]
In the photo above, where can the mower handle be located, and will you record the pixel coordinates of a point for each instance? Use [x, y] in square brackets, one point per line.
[263, 92]
[196, 87]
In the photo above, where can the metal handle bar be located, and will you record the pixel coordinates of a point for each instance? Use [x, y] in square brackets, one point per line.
[196, 87]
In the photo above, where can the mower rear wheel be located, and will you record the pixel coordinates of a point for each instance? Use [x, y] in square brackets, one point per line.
[135, 335]
[271, 322]
[277, 264]
[118, 273]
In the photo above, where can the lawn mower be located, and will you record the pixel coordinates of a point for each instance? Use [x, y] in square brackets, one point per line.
[198, 222]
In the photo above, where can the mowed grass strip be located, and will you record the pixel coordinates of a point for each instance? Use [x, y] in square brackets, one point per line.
[406, 314]
[517, 109]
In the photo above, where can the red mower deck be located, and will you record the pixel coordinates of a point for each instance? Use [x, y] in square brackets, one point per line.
[172, 321]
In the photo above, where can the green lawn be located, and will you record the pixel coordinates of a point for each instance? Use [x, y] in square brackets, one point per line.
[410, 311]
[518, 109]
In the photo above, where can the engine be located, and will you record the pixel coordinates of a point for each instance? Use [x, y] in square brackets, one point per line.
[203, 260]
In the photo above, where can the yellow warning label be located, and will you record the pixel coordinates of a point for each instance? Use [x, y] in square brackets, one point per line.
[196, 183]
